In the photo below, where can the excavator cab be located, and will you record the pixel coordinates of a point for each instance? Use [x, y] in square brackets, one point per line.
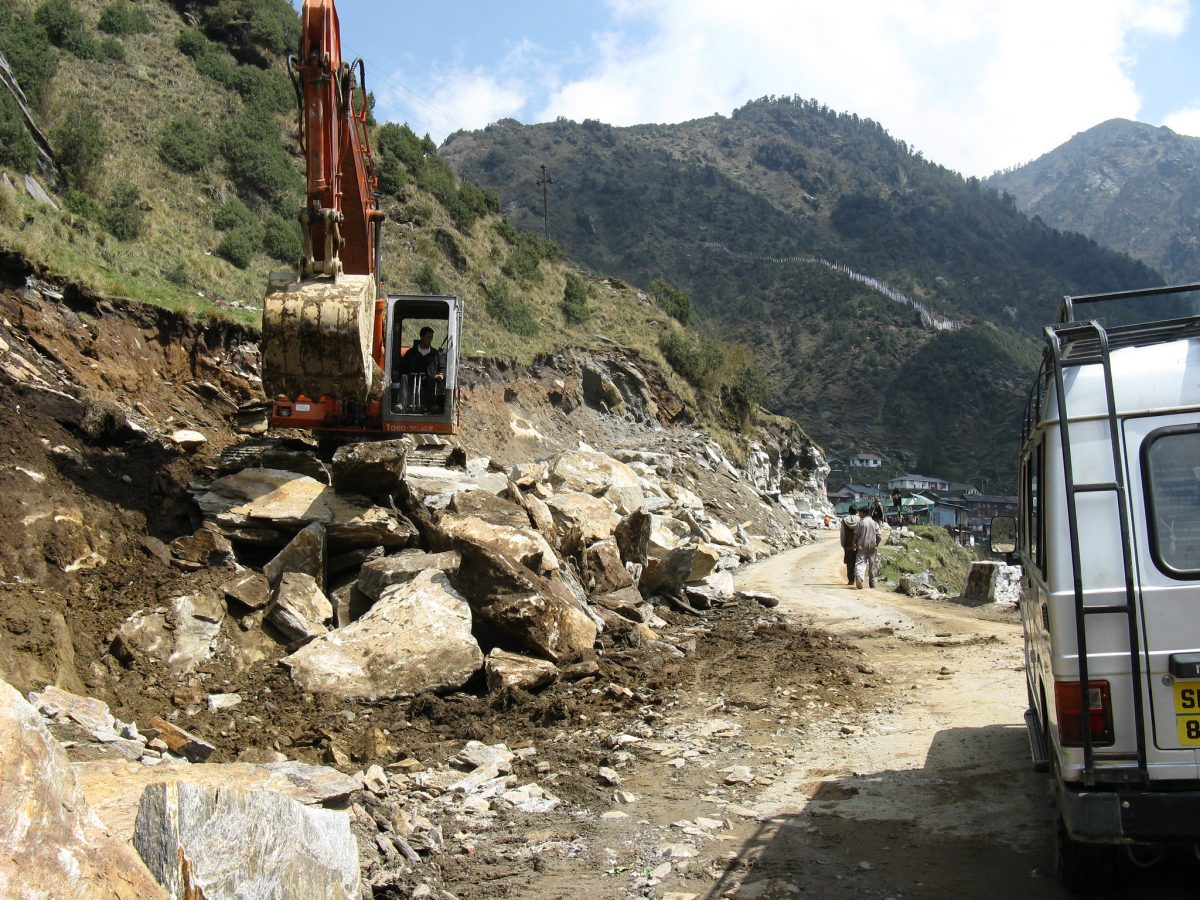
[422, 388]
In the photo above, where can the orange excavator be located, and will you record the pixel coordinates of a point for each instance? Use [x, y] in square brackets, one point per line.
[341, 357]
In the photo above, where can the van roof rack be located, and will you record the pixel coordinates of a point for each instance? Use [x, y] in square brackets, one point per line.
[1066, 312]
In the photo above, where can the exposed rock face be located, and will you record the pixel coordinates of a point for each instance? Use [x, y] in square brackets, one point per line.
[417, 637]
[250, 589]
[257, 505]
[989, 581]
[514, 607]
[54, 846]
[299, 608]
[372, 468]
[224, 842]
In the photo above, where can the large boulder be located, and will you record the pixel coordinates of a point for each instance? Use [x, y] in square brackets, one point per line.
[489, 507]
[416, 638]
[53, 844]
[523, 545]
[377, 575]
[113, 788]
[259, 505]
[666, 534]
[372, 468]
[591, 472]
[517, 608]
[306, 553]
[299, 608]
[632, 535]
[671, 571]
[581, 519]
[224, 842]
[435, 486]
[603, 570]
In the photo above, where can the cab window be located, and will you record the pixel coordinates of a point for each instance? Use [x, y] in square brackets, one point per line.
[1171, 477]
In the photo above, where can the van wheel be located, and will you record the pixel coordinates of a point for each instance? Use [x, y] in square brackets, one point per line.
[1084, 868]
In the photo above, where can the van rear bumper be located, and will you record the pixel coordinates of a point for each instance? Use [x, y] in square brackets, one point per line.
[1130, 815]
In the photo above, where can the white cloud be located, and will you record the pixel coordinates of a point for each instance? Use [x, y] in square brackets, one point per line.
[974, 84]
[1184, 121]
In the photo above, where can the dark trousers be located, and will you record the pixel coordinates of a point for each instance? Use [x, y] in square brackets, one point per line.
[849, 556]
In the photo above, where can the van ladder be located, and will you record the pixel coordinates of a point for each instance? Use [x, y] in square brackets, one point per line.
[1092, 340]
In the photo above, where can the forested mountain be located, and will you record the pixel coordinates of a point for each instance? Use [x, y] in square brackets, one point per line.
[178, 181]
[759, 216]
[1130, 186]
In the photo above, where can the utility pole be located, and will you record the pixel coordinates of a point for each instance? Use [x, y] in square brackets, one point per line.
[542, 183]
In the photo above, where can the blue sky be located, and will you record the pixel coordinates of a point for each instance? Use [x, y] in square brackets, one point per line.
[976, 85]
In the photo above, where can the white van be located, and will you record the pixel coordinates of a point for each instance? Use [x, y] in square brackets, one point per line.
[1109, 540]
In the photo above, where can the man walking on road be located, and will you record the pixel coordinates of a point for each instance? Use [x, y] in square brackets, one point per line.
[849, 523]
[866, 542]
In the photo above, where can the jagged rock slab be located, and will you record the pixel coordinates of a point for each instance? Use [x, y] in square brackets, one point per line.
[299, 608]
[271, 500]
[378, 574]
[523, 545]
[53, 844]
[632, 535]
[306, 553]
[489, 507]
[512, 670]
[591, 472]
[371, 468]
[581, 519]
[416, 638]
[180, 742]
[250, 589]
[603, 570]
[515, 607]
[113, 788]
[435, 486]
[225, 842]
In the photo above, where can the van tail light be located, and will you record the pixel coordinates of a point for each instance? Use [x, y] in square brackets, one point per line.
[1068, 698]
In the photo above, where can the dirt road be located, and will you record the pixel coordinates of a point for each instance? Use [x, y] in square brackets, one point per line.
[916, 784]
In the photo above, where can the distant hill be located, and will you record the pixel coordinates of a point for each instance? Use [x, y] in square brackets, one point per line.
[832, 246]
[1132, 187]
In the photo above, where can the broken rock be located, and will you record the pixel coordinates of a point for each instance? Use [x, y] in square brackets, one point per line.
[225, 842]
[299, 608]
[512, 670]
[371, 468]
[381, 573]
[417, 637]
[515, 607]
[54, 846]
[305, 553]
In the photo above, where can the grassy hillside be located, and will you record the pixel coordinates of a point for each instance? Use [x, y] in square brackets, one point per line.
[179, 184]
[745, 214]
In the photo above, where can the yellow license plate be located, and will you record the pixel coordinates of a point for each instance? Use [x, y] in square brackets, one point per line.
[1187, 712]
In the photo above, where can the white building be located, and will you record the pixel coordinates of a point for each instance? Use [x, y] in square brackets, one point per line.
[919, 483]
[866, 461]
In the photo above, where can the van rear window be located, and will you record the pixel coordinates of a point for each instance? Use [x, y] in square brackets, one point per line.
[1171, 475]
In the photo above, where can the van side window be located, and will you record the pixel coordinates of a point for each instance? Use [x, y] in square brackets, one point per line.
[1171, 475]
[1032, 488]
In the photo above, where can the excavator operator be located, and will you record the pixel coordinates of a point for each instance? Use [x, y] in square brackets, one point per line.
[425, 368]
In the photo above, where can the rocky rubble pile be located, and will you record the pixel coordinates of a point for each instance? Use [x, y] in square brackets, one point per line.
[384, 577]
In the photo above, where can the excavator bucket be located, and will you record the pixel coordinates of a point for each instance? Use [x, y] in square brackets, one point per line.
[317, 338]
